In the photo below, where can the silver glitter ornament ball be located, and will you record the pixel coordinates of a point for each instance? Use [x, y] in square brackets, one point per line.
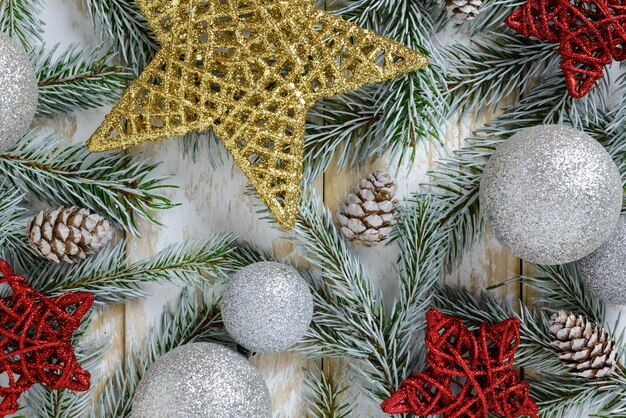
[551, 194]
[267, 307]
[202, 380]
[18, 92]
[604, 270]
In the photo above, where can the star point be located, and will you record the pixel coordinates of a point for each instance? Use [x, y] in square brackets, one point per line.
[249, 70]
[590, 33]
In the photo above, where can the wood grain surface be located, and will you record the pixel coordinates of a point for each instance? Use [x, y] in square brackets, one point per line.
[213, 200]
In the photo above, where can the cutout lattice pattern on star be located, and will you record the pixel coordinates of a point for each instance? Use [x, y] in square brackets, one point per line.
[591, 34]
[249, 70]
[35, 345]
[470, 373]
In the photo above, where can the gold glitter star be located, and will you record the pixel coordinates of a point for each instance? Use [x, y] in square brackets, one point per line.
[249, 70]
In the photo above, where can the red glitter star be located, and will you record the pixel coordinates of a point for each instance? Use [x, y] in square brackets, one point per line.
[469, 373]
[591, 34]
[35, 336]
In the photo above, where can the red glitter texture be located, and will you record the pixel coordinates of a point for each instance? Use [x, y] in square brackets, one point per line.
[34, 339]
[591, 34]
[469, 373]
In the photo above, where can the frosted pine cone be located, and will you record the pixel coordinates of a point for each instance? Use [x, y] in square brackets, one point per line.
[68, 234]
[368, 213]
[584, 347]
[462, 10]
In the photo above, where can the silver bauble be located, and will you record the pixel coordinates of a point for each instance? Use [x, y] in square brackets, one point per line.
[604, 270]
[18, 92]
[267, 307]
[202, 380]
[551, 194]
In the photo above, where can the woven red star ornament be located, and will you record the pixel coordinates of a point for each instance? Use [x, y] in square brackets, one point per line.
[35, 336]
[469, 375]
[591, 34]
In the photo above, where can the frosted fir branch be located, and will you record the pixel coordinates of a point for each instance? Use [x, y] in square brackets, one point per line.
[327, 396]
[119, 186]
[349, 318]
[492, 69]
[123, 26]
[564, 396]
[111, 278]
[492, 15]
[192, 321]
[13, 244]
[206, 142]
[419, 235]
[76, 79]
[20, 20]
[344, 127]
[561, 288]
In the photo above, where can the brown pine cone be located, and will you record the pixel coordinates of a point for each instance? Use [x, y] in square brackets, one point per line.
[584, 347]
[68, 234]
[368, 213]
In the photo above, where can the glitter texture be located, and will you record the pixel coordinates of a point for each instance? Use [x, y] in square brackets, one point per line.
[202, 380]
[267, 307]
[249, 70]
[604, 270]
[551, 194]
[18, 92]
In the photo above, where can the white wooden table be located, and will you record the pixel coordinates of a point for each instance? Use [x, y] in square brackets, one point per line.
[213, 199]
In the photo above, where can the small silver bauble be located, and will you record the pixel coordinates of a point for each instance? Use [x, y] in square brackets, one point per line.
[202, 380]
[551, 194]
[18, 92]
[604, 270]
[267, 307]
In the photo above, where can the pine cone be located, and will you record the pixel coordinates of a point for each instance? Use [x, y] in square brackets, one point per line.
[462, 10]
[585, 348]
[369, 211]
[68, 234]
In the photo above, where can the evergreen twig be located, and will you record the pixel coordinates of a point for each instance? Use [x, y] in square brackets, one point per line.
[349, 319]
[327, 397]
[111, 278]
[116, 185]
[76, 79]
[20, 20]
[123, 26]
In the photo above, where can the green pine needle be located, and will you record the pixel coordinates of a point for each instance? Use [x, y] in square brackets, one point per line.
[116, 185]
[20, 20]
[77, 79]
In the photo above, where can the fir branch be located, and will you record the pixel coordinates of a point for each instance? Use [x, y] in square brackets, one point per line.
[116, 185]
[20, 20]
[492, 15]
[560, 288]
[13, 242]
[327, 397]
[192, 321]
[111, 278]
[344, 127]
[492, 69]
[194, 142]
[122, 24]
[349, 317]
[76, 79]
